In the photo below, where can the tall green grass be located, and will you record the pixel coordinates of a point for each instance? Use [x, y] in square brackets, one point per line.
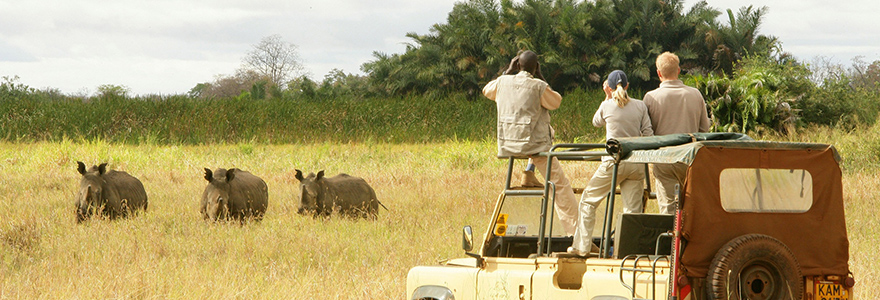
[184, 120]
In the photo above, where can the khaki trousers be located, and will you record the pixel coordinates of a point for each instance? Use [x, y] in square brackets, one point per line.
[566, 205]
[666, 176]
[630, 177]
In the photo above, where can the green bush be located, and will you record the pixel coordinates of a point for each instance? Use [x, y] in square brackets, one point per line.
[758, 96]
[840, 104]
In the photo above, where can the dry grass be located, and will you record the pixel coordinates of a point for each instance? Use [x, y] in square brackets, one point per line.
[861, 200]
[170, 252]
[432, 190]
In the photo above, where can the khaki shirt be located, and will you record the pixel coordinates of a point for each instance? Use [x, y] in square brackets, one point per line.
[676, 108]
[550, 99]
[523, 123]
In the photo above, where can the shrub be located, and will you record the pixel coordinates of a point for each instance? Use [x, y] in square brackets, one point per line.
[758, 96]
[845, 98]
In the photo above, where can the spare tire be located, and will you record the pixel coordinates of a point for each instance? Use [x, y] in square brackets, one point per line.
[756, 267]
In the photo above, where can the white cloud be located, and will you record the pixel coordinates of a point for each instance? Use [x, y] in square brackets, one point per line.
[13, 53]
[168, 46]
[811, 28]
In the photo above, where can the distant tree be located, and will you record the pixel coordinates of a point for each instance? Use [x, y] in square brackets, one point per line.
[865, 75]
[258, 89]
[845, 97]
[197, 90]
[723, 45]
[302, 86]
[275, 59]
[227, 86]
[339, 84]
[763, 94]
[112, 90]
[11, 88]
[632, 33]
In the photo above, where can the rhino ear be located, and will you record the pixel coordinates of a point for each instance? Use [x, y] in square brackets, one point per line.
[102, 168]
[230, 175]
[81, 167]
[299, 175]
[209, 176]
[320, 175]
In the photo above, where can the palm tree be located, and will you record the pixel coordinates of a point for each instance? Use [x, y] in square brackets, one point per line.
[730, 43]
[577, 41]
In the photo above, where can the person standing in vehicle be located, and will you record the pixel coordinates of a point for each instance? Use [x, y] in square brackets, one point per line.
[673, 108]
[523, 100]
[621, 116]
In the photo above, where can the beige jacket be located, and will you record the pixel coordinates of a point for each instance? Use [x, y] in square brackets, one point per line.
[523, 104]
[677, 108]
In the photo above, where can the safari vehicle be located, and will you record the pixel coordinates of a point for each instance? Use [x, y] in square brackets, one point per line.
[754, 220]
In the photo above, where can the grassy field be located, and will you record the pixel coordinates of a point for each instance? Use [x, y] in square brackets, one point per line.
[432, 190]
[169, 252]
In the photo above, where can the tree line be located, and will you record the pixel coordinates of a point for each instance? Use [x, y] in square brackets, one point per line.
[579, 43]
[749, 83]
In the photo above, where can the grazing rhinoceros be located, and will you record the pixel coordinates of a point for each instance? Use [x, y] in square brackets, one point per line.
[110, 193]
[346, 194]
[234, 194]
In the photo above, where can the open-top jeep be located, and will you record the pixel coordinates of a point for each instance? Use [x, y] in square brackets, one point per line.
[754, 220]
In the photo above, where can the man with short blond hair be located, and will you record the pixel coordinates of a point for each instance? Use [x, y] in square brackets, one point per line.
[673, 108]
[668, 65]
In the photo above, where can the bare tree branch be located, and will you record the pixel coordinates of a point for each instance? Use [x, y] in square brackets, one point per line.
[274, 59]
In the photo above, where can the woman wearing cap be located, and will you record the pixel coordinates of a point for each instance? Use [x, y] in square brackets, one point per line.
[622, 116]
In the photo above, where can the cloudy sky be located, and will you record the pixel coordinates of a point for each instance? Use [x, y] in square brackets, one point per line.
[168, 46]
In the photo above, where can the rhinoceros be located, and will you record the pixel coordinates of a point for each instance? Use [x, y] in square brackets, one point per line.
[110, 193]
[234, 194]
[348, 195]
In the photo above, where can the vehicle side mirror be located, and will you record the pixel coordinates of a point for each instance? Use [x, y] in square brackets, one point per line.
[467, 239]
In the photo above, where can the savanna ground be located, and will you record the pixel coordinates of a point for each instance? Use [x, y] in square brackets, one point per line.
[432, 190]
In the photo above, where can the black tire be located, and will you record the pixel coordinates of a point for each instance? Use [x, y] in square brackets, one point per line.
[755, 267]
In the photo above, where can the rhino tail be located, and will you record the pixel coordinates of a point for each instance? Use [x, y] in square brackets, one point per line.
[373, 195]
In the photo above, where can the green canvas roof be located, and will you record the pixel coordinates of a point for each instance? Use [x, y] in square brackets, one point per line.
[681, 148]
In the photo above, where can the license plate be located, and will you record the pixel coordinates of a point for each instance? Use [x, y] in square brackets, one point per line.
[830, 291]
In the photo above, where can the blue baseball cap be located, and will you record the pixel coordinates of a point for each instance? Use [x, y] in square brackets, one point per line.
[617, 77]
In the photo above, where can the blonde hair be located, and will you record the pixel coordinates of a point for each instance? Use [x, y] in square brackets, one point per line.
[668, 65]
[620, 96]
